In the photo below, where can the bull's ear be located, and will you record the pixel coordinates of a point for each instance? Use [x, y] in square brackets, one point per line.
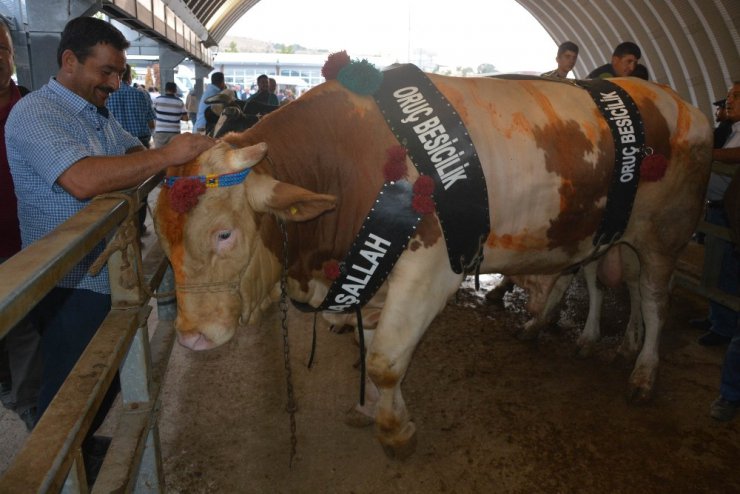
[248, 156]
[286, 201]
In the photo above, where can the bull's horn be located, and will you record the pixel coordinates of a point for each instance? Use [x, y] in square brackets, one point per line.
[219, 98]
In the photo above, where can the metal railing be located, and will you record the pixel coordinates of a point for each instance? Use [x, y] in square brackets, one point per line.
[706, 283]
[51, 459]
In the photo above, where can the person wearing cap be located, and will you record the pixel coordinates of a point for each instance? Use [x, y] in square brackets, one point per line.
[724, 125]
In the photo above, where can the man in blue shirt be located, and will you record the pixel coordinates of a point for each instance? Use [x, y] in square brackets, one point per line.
[133, 109]
[216, 86]
[63, 149]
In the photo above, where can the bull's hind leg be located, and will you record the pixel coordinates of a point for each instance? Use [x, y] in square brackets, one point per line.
[545, 293]
[635, 332]
[655, 275]
[416, 295]
[592, 329]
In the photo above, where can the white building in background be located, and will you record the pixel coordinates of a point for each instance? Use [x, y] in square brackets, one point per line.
[298, 72]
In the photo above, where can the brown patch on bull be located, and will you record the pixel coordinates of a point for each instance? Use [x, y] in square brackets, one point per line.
[521, 242]
[342, 153]
[428, 232]
[583, 184]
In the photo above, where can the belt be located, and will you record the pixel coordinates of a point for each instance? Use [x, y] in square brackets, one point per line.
[716, 204]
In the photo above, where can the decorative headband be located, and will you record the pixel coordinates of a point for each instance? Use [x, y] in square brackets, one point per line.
[212, 181]
[185, 191]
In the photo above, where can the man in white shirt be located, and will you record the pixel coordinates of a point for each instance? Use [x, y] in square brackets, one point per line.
[169, 110]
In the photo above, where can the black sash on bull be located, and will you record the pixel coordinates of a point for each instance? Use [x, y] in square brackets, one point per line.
[460, 193]
[420, 116]
[625, 122]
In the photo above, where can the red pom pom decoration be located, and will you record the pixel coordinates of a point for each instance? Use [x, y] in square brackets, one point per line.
[395, 167]
[422, 204]
[334, 64]
[424, 185]
[331, 270]
[184, 194]
[653, 167]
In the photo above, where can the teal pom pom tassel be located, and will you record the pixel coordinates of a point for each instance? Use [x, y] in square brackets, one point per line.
[360, 77]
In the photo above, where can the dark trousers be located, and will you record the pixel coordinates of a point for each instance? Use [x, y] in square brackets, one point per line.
[68, 319]
[20, 365]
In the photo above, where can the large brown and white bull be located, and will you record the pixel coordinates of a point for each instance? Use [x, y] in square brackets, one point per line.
[317, 164]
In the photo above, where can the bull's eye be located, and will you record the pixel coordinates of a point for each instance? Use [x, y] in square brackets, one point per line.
[224, 235]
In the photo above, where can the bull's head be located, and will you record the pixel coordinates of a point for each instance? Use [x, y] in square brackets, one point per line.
[215, 237]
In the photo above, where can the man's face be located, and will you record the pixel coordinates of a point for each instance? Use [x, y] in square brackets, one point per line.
[624, 66]
[733, 103]
[263, 84]
[273, 85]
[6, 57]
[720, 114]
[98, 76]
[566, 61]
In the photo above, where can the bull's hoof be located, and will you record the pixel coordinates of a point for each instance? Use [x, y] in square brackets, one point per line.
[357, 418]
[628, 351]
[529, 332]
[585, 350]
[402, 445]
[639, 396]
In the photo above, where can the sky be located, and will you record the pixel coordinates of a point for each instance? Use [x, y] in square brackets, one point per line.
[457, 33]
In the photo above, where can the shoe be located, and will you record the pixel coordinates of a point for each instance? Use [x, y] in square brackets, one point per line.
[723, 410]
[93, 454]
[710, 338]
[29, 418]
[702, 323]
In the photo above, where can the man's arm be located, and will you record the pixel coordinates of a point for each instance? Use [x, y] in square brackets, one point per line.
[727, 155]
[96, 175]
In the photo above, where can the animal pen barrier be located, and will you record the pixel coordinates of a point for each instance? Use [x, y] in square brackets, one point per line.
[51, 459]
[706, 283]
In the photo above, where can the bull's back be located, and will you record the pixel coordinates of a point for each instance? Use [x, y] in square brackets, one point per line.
[548, 158]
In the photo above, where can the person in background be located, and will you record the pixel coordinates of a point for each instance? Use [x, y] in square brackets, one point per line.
[263, 94]
[170, 110]
[216, 86]
[20, 350]
[133, 110]
[63, 150]
[191, 105]
[273, 92]
[624, 60]
[641, 71]
[724, 320]
[566, 59]
[724, 126]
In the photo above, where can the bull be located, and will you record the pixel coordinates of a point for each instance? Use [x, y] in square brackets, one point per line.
[316, 167]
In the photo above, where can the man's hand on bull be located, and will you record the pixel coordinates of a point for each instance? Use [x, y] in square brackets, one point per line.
[185, 147]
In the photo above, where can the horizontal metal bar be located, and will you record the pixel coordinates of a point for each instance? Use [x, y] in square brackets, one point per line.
[29, 275]
[692, 283]
[43, 463]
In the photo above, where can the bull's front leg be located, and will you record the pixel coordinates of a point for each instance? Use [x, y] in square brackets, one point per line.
[419, 288]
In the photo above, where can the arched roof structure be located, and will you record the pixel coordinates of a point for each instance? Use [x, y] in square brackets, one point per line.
[691, 45]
